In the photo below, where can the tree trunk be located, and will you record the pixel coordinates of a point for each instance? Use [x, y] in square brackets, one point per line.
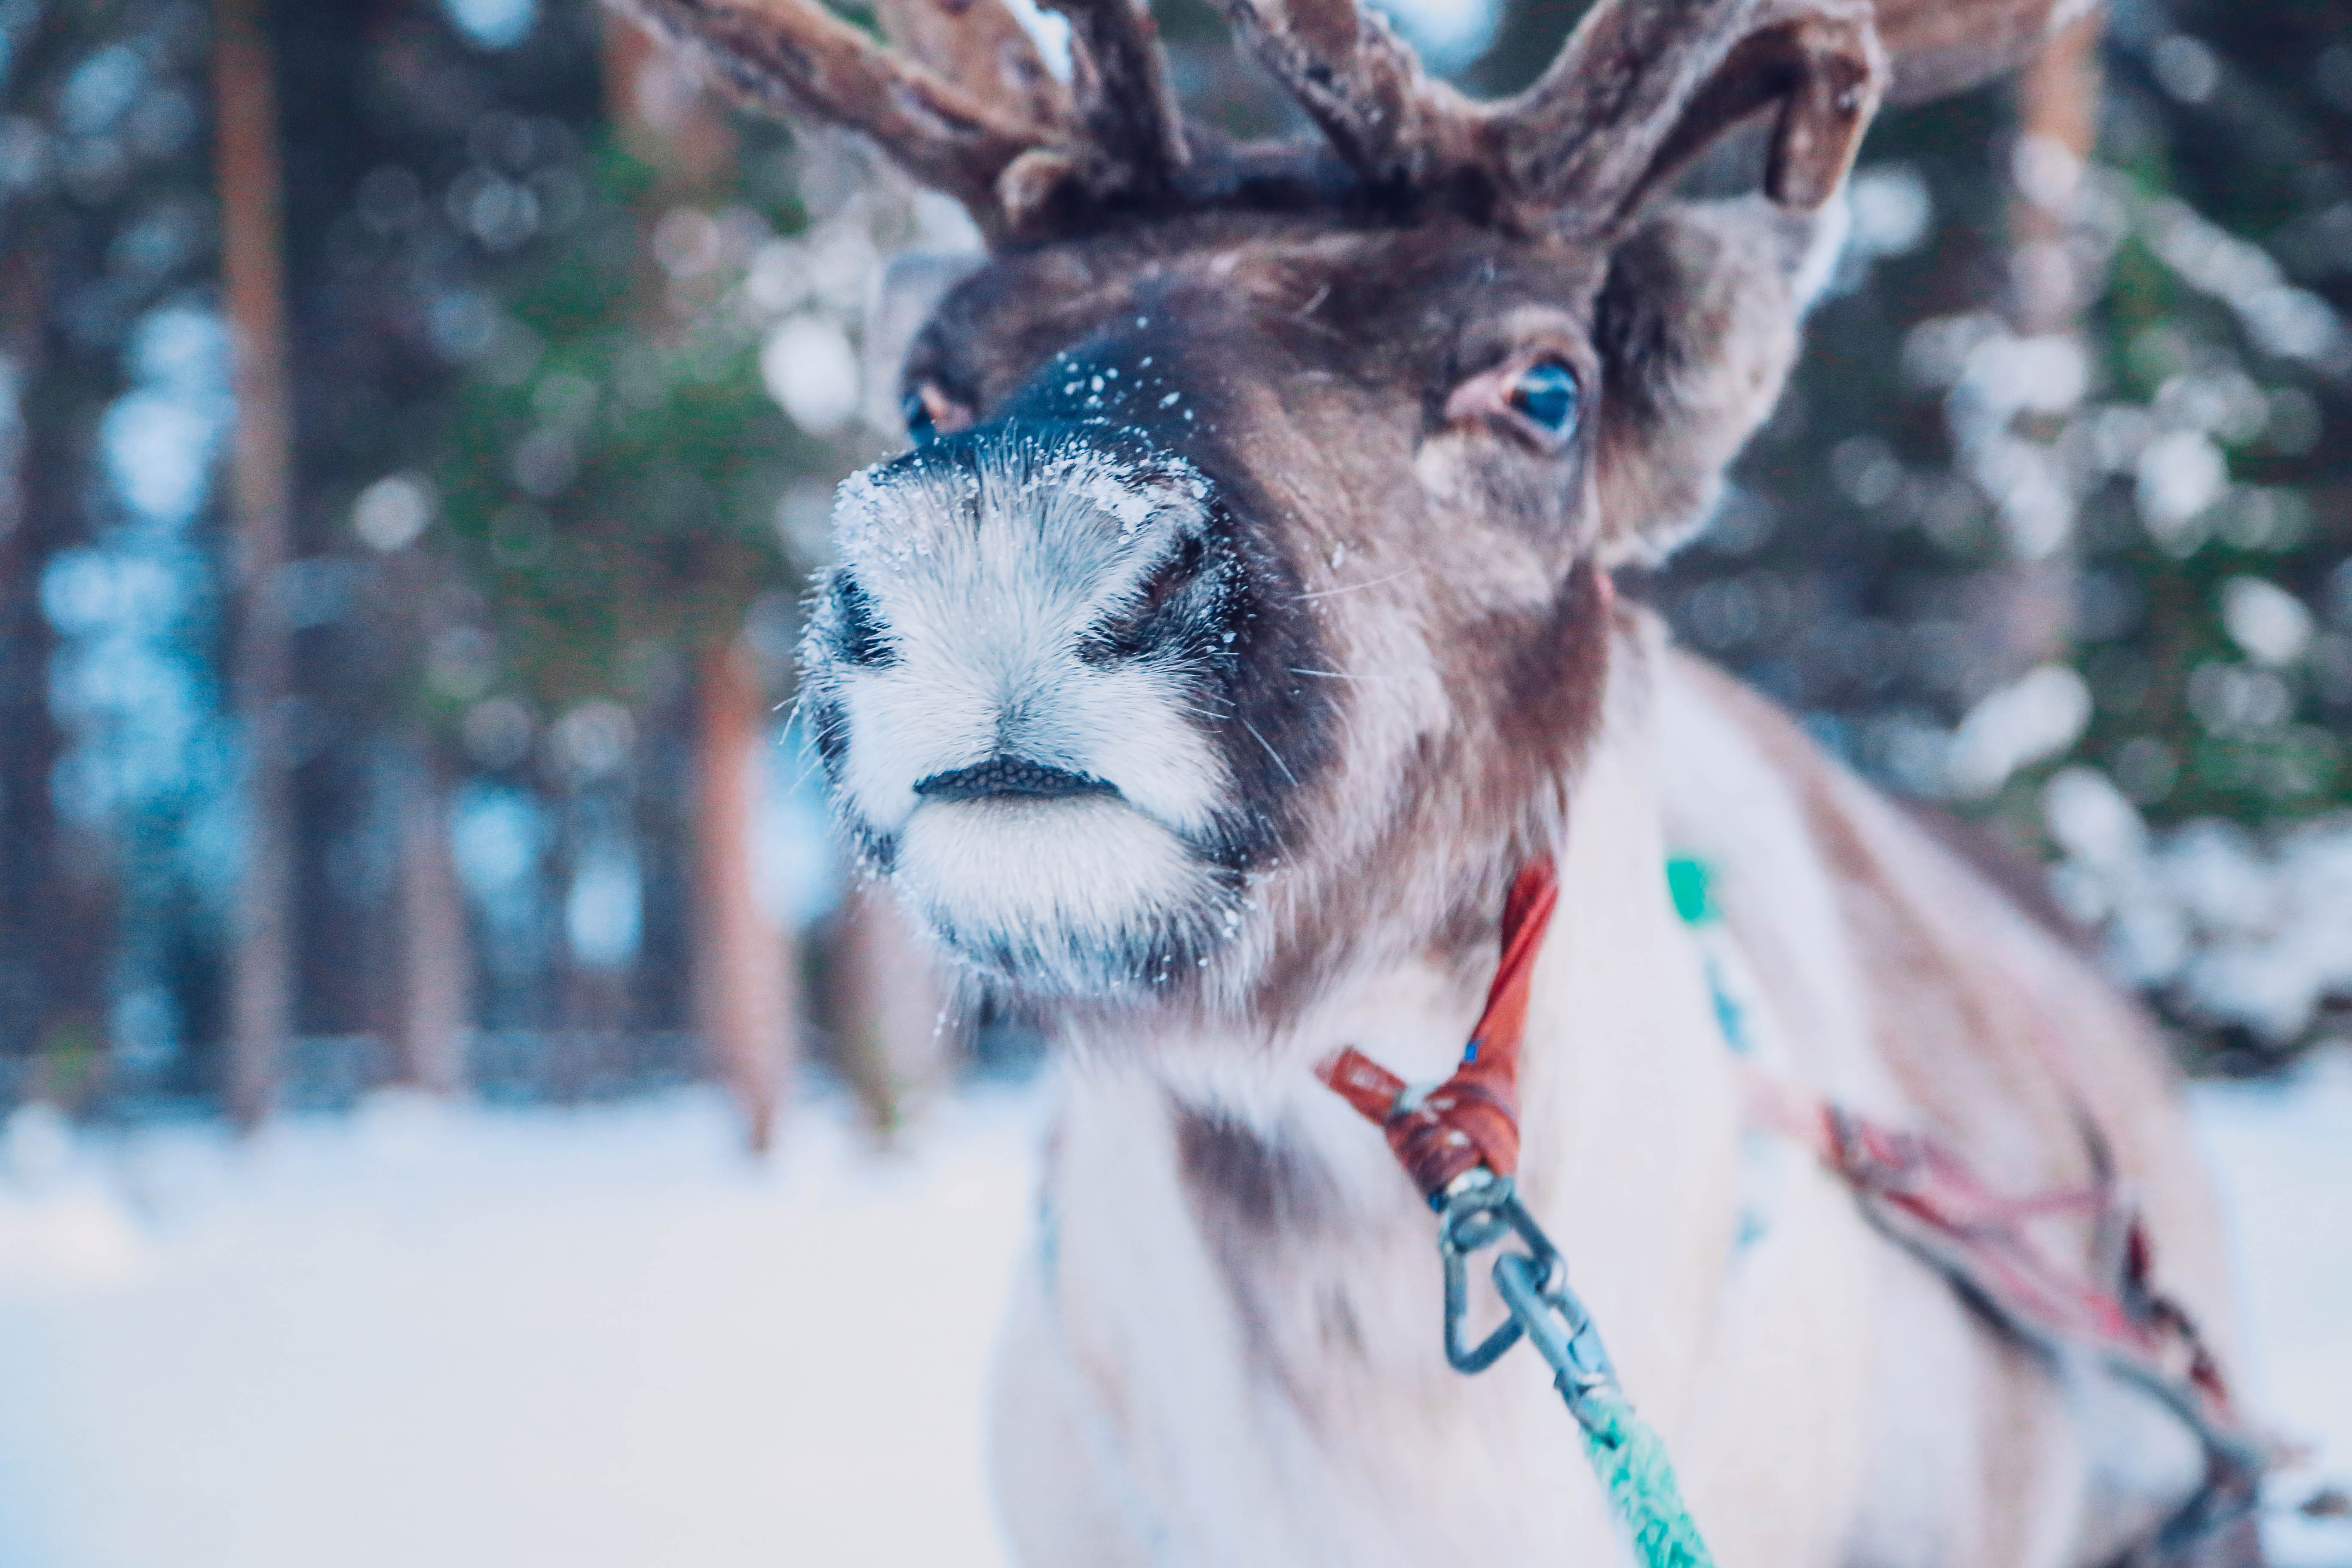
[745, 979]
[59, 889]
[253, 275]
[897, 1050]
[2058, 110]
[743, 989]
[27, 829]
[653, 96]
[2057, 99]
[429, 1035]
[593, 1005]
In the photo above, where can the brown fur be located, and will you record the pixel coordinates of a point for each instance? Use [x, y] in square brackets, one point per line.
[1684, 333]
[1422, 683]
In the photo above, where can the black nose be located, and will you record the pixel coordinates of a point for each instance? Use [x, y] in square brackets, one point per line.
[1017, 776]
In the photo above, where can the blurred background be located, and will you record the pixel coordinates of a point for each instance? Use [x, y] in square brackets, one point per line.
[418, 420]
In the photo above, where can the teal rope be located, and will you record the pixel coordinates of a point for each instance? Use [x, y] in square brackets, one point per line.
[1634, 1468]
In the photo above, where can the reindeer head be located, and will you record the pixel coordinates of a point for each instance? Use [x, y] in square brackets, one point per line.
[1240, 613]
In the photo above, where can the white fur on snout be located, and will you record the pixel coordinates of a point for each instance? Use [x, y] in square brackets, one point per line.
[985, 587]
[1072, 892]
[939, 712]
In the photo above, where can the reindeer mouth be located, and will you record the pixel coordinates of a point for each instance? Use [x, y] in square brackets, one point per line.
[1002, 777]
[1052, 880]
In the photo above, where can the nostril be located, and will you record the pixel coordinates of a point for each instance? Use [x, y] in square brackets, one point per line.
[1141, 623]
[858, 625]
[1015, 776]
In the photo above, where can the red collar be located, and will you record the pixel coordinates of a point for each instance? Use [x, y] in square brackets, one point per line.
[1473, 1117]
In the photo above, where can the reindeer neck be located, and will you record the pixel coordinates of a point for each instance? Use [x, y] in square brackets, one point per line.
[1628, 1115]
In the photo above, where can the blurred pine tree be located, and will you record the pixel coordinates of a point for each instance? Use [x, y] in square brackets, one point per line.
[2135, 365]
[637, 471]
[2053, 526]
[113, 788]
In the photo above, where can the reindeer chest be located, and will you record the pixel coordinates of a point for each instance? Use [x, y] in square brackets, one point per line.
[1243, 1312]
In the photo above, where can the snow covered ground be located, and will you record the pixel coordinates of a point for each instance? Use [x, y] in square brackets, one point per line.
[2285, 1154]
[593, 1339]
[601, 1339]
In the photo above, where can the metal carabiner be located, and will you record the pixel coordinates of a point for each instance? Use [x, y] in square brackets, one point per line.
[1477, 1214]
[1483, 1210]
[1579, 1363]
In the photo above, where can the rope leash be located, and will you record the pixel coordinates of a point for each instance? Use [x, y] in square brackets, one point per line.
[1460, 1144]
[1625, 1454]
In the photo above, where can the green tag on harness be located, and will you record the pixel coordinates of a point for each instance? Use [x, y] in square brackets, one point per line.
[1690, 882]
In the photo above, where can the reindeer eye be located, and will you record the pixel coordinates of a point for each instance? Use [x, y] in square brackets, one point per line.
[1546, 393]
[930, 413]
[920, 426]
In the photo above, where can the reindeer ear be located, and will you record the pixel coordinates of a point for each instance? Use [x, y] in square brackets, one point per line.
[1697, 326]
[1643, 89]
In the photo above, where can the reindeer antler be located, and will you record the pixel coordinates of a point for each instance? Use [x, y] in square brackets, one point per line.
[982, 49]
[1119, 79]
[1641, 87]
[1362, 85]
[975, 113]
[793, 54]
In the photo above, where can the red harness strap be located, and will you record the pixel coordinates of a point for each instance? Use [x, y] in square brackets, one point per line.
[1473, 1117]
[1930, 1202]
[1920, 1193]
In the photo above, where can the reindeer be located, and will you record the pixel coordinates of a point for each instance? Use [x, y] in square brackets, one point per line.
[1239, 622]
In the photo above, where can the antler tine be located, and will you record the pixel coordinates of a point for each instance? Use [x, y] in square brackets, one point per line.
[1126, 108]
[1942, 47]
[982, 47]
[793, 54]
[1361, 84]
[1643, 85]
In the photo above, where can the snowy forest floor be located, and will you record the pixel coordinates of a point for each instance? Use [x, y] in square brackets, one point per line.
[601, 1339]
